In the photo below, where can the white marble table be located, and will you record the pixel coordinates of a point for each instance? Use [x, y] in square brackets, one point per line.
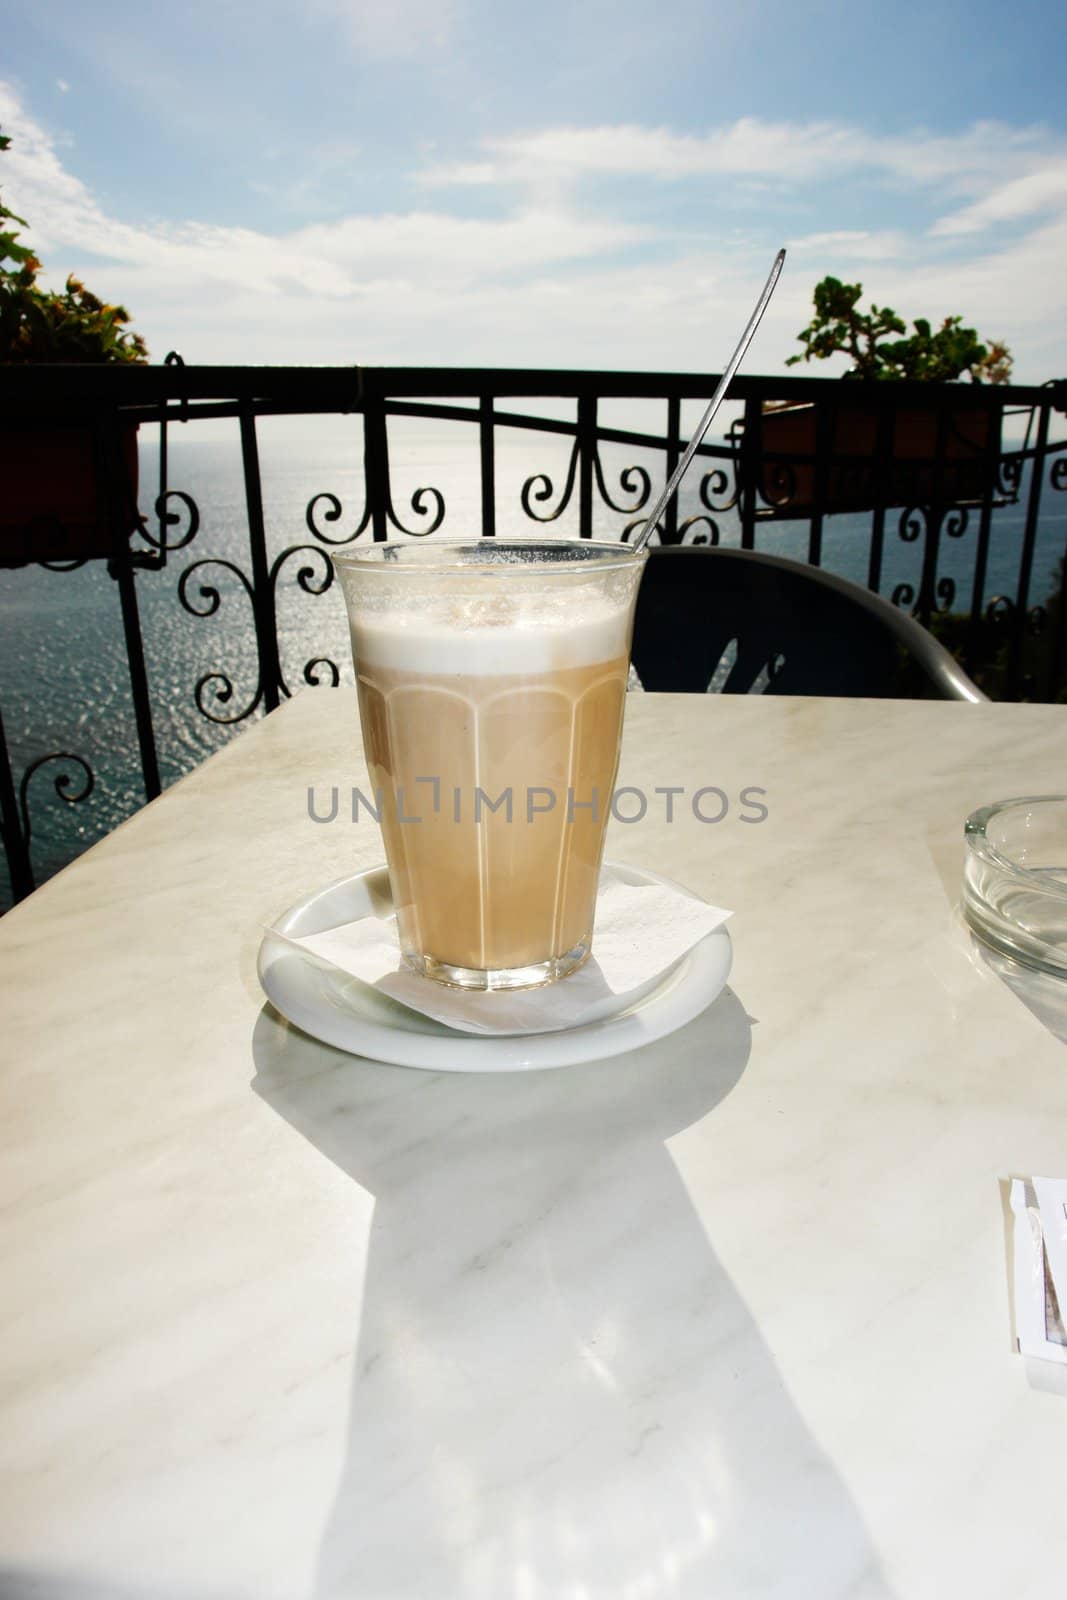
[725, 1318]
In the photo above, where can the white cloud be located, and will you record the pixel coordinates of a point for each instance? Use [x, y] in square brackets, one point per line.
[393, 28]
[62, 85]
[336, 260]
[749, 147]
[551, 280]
[1033, 193]
[853, 244]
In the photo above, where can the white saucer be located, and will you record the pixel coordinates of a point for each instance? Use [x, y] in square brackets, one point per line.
[351, 1016]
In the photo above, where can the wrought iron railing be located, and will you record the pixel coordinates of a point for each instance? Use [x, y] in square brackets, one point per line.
[918, 465]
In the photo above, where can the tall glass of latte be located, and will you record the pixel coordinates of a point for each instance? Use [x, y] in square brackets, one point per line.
[492, 678]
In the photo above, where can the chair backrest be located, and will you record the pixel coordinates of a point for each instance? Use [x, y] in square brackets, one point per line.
[734, 620]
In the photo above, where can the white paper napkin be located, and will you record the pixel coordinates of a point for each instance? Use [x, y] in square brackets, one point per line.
[642, 931]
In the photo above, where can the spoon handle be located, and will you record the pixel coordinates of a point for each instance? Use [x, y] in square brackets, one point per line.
[713, 405]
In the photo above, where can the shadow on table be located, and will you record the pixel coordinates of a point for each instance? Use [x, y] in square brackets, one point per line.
[25, 1583]
[557, 1389]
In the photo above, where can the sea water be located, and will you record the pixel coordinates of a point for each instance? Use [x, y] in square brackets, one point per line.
[64, 679]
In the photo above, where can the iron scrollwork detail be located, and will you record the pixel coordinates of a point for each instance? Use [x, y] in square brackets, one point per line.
[1009, 476]
[687, 536]
[64, 566]
[637, 526]
[311, 669]
[911, 526]
[713, 483]
[333, 513]
[1000, 609]
[912, 523]
[539, 487]
[64, 784]
[632, 480]
[1037, 620]
[946, 594]
[172, 519]
[313, 583]
[418, 505]
[421, 502]
[220, 682]
[308, 579]
[716, 493]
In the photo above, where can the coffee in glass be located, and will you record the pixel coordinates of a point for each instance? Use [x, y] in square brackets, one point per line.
[492, 678]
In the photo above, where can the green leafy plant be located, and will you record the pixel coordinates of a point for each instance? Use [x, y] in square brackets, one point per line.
[840, 327]
[42, 325]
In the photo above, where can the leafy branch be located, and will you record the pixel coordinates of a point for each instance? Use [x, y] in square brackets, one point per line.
[840, 327]
[41, 325]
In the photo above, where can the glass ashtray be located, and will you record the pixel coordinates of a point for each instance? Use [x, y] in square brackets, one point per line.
[1015, 880]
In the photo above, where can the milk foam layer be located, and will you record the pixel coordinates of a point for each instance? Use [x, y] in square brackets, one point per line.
[523, 640]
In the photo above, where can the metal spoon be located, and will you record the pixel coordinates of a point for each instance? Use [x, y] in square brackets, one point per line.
[713, 405]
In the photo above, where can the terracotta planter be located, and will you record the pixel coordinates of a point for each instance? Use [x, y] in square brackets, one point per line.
[55, 503]
[858, 478]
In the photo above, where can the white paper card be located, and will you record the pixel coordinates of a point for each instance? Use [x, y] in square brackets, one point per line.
[1052, 1205]
[642, 931]
[1038, 1318]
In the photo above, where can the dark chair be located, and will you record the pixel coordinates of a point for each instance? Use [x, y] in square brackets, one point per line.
[756, 622]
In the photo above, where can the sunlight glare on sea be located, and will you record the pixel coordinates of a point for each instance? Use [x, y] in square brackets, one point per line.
[64, 683]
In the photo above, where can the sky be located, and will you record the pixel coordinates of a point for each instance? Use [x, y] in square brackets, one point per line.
[474, 182]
